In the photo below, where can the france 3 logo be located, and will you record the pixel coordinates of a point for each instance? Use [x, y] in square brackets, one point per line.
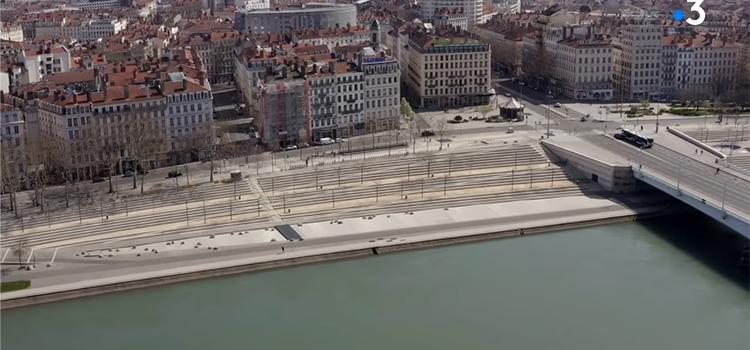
[678, 15]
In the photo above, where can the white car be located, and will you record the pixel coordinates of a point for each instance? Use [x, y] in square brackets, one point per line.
[557, 105]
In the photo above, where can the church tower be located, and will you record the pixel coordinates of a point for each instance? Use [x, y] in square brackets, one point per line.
[375, 33]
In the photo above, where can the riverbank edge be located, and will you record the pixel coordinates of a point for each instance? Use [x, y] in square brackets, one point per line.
[348, 253]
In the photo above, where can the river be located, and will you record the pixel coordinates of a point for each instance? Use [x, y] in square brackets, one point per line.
[663, 284]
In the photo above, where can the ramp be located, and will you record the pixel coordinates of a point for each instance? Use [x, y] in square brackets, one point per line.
[289, 233]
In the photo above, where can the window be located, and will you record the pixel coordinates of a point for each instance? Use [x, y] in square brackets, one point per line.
[15, 129]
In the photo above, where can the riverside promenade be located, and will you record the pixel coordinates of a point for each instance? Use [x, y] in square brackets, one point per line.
[101, 268]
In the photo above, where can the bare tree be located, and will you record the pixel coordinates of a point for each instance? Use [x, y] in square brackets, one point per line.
[11, 159]
[106, 149]
[392, 134]
[142, 139]
[413, 131]
[39, 157]
[440, 127]
[209, 143]
[256, 156]
[19, 249]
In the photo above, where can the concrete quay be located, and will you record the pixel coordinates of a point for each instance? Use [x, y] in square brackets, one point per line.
[119, 266]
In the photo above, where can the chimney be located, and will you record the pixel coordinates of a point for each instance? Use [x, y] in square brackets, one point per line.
[148, 91]
[184, 84]
[201, 78]
[314, 68]
[332, 67]
[88, 95]
[126, 91]
[105, 92]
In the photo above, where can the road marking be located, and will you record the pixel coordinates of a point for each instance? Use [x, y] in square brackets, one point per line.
[30, 255]
[5, 255]
[54, 255]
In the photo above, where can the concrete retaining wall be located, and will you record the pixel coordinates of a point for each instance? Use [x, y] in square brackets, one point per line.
[357, 253]
[613, 178]
[702, 145]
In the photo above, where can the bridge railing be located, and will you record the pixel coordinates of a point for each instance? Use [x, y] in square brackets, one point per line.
[704, 197]
[727, 164]
[706, 165]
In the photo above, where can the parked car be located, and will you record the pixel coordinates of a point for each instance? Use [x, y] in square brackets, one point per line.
[290, 148]
[98, 179]
[128, 174]
[557, 105]
[174, 174]
[428, 133]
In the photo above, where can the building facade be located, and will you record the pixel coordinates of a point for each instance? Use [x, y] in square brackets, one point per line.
[584, 67]
[448, 71]
[12, 136]
[287, 18]
[638, 59]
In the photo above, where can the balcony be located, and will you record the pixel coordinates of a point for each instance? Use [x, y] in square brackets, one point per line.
[352, 111]
[351, 100]
[328, 104]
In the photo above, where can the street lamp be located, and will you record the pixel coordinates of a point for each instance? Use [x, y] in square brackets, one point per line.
[723, 197]
[679, 176]
[546, 111]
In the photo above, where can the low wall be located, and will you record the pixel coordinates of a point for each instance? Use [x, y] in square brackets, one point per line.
[355, 253]
[702, 145]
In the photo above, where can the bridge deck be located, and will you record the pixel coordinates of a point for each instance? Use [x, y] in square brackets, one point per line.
[579, 145]
[732, 190]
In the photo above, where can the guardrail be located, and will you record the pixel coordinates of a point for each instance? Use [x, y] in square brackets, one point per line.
[695, 194]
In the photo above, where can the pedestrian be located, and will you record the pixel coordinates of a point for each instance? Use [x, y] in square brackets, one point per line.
[282, 248]
[696, 151]
[717, 171]
[701, 152]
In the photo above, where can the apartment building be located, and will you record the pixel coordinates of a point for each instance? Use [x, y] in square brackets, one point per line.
[505, 36]
[472, 9]
[382, 90]
[251, 64]
[90, 29]
[82, 120]
[281, 18]
[332, 37]
[11, 32]
[45, 60]
[448, 69]
[282, 102]
[584, 67]
[704, 66]
[12, 138]
[450, 17]
[297, 92]
[216, 52]
[638, 59]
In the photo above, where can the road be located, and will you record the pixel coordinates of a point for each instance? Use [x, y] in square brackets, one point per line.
[684, 171]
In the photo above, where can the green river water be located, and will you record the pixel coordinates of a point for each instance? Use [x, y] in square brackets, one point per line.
[664, 284]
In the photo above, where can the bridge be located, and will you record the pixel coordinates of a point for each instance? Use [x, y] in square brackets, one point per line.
[725, 196]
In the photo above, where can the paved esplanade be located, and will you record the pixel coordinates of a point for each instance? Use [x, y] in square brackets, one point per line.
[684, 171]
[629, 286]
